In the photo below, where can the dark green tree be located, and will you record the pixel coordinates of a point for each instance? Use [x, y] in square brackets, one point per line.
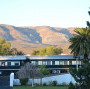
[80, 42]
[43, 69]
[80, 45]
[82, 77]
[58, 50]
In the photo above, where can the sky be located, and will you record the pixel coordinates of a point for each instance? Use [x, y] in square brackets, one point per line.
[55, 13]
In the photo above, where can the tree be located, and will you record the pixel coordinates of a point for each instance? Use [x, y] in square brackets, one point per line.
[58, 50]
[35, 52]
[14, 51]
[29, 71]
[49, 50]
[42, 51]
[4, 47]
[82, 77]
[80, 42]
[43, 69]
[80, 45]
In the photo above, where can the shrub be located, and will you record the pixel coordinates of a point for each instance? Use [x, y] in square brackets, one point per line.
[54, 83]
[36, 84]
[23, 81]
[64, 84]
[71, 86]
[50, 83]
[44, 84]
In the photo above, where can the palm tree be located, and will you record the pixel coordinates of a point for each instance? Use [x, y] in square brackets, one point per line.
[80, 42]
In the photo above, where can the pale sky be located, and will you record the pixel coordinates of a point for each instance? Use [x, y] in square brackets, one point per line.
[56, 13]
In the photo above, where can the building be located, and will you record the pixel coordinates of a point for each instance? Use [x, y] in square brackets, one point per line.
[56, 63]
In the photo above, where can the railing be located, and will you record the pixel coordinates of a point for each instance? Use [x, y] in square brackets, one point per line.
[61, 66]
[9, 67]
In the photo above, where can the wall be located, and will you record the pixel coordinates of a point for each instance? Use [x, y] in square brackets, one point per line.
[67, 78]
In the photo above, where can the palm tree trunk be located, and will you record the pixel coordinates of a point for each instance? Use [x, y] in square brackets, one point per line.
[85, 59]
[85, 56]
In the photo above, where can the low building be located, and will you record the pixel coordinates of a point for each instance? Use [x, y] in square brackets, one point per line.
[56, 63]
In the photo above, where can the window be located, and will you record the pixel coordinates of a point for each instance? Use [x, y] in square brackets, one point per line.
[79, 62]
[39, 62]
[66, 62]
[56, 62]
[44, 62]
[3, 64]
[33, 62]
[49, 62]
[73, 62]
[61, 62]
[17, 64]
[8, 63]
[54, 71]
[0, 63]
[36, 62]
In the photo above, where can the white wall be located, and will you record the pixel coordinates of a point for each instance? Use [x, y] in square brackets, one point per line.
[67, 78]
[11, 79]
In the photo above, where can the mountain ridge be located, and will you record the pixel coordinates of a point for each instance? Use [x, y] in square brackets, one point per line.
[28, 39]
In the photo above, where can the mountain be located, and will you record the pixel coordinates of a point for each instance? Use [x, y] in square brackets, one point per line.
[28, 39]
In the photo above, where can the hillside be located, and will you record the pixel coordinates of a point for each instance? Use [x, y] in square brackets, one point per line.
[31, 38]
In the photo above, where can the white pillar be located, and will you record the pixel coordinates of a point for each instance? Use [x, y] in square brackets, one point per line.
[11, 79]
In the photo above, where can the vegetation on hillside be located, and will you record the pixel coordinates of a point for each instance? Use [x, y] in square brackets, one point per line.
[50, 50]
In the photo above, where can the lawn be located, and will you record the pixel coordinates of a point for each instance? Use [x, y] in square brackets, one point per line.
[41, 87]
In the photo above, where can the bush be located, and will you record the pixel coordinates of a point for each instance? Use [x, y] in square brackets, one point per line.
[23, 81]
[64, 84]
[71, 86]
[54, 83]
[44, 84]
[50, 83]
[36, 84]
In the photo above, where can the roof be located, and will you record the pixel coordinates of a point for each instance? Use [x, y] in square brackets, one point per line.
[37, 57]
[13, 57]
[32, 57]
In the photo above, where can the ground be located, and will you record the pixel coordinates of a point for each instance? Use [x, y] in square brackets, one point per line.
[41, 87]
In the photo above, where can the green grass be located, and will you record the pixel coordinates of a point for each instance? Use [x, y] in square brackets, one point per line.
[41, 87]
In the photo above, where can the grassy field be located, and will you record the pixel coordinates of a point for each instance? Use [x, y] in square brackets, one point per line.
[41, 87]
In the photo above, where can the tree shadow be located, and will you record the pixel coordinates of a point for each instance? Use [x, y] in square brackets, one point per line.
[7, 35]
[33, 36]
[63, 31]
